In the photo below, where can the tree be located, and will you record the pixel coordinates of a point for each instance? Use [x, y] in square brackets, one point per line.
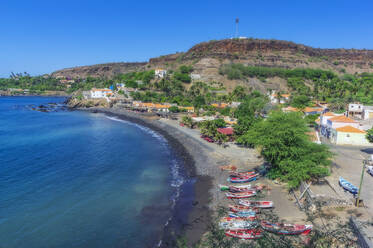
[173, 109]
[284, 142]
[369, 135]
[301, 101]
[187, 121]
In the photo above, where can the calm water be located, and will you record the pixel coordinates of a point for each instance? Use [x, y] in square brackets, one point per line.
[75, 179]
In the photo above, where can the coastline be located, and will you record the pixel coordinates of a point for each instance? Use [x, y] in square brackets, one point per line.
[197, 164]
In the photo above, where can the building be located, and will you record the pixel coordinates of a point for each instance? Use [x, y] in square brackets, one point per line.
[367, 113]
[313, 111]
[235, 104]
[187, 109]
[160, 73]
[289, 109]
[355, 110]
[230, 121]
[275, 97]
[226, 130]
[341, 121]
[349, 135]
[101, 93]
[220, 105]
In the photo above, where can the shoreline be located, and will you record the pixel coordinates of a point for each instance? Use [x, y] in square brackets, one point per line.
[194, 158]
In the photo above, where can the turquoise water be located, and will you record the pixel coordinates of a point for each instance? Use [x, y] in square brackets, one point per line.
[76, 179]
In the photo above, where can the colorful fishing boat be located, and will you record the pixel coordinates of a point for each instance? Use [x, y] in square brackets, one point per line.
[242, 214]
[230, 223]
[240, 195]
[286, 229]
[243, 179]
[238, 208]
[258, 204]
[241, 174]
[244, 234]
[238, 187]
[346, 185]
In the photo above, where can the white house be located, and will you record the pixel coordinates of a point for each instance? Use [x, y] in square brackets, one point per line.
[342, 121]
[160, 73]
[367, 112]
[101, 93]
[274, 97]
[355, 110]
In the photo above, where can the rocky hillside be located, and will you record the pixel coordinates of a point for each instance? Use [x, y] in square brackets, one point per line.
[101, 70]
[207, 57]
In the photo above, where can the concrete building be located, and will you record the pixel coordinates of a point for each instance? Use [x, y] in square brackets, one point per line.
[275, 97]
[355, 110]
[367, 113]
[341, 121]
[312, 111]
[101, 93]
[348, 135]
[160, 73]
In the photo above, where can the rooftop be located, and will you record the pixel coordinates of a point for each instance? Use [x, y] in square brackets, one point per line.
[342, 118]
[226, 130]
[349, 129]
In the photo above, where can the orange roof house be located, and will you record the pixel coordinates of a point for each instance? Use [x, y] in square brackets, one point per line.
[342, 118]
[290, 109]
[220, 105]
[341, 121]
[349, 129]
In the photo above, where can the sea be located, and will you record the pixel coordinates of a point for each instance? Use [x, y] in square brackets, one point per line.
[79, 179]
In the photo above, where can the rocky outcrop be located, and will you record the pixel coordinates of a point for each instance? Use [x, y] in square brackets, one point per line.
[74, 102]
[101, 70]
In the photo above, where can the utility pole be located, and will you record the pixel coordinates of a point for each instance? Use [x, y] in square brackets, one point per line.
[361, 184]
[237, 21]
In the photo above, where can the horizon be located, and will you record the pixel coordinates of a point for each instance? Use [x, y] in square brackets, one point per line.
[42, 37]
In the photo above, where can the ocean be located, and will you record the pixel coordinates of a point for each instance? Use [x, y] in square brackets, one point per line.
[79, 179]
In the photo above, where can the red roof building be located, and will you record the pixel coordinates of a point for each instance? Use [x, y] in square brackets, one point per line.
[226, 130]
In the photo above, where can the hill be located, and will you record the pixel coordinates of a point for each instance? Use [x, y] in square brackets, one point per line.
[207, 58]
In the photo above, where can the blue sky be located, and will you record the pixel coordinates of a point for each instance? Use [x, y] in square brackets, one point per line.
[42, 36]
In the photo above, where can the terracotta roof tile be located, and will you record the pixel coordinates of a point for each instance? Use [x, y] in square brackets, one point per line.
[342, 118]
[349, 129]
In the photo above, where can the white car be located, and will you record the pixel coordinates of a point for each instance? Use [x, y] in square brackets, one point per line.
[370, 170]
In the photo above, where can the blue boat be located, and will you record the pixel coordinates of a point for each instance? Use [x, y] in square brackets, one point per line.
[242, 214]
[346, 185]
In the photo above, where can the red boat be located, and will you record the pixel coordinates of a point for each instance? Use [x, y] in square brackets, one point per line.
[241, 174]
[240, 195]
[238, 208]
[286, 229]
[258, 204]
[228, 219]
[244, 234]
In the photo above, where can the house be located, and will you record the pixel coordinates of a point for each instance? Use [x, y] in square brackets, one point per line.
[204, 118]
[274, 97]
[367, 113]
[229, 120]
[101, 93]
[341, 121]
[348, 135]
[220, 105]
[289, 109]
[226, 130]
[355, 110]
[235, 104]
[195, 76]
[312, 111]
[187, 109]
[160, 73]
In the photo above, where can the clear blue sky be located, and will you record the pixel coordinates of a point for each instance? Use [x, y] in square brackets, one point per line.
[42, 36]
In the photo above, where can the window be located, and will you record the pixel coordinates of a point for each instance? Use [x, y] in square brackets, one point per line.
[348, 136]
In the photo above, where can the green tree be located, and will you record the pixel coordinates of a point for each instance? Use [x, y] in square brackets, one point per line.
[283, 141]
[369, 135]
[301, 101]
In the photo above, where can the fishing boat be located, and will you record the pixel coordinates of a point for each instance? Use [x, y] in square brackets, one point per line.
[370, 170]
[242, 214]
[244, 234]
[258, 204]
[286, 229]
[238, 187]
[243, 179]
[346, 185]
[230, 223]
[241, 174]
[240, 195]
[238, 208]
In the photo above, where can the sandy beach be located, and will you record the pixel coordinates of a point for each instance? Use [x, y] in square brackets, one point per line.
[202, 161]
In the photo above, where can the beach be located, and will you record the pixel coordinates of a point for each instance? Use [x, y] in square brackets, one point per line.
[202, 161]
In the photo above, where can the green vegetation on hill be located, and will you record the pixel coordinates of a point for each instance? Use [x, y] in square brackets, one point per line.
[34, 84]
[319, 84]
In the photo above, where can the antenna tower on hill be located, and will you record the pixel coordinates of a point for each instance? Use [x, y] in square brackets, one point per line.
[237, 21]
